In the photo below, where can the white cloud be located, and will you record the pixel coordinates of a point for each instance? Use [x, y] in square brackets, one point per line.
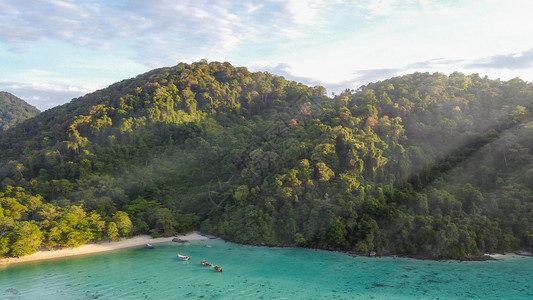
[305, 12]
[251, 8]
[8, 8]
[179, 28]
[512, 61]
[45, 96]
[379, 7]
[334, 42]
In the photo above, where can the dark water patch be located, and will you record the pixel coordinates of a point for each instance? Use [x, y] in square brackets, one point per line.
[377, 285]
[12, 291]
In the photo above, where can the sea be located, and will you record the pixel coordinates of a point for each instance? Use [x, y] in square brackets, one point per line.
[251, 272]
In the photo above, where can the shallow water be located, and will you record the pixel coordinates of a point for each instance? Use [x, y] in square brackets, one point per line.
[262, 273]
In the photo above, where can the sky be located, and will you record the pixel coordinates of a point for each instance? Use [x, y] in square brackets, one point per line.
[52, 51]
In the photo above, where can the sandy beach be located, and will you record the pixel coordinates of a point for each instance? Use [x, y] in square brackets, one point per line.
[101, 247]
[499, 256]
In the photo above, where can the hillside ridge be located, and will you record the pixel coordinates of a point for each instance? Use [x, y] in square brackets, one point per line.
[416, 164]
[14, 110]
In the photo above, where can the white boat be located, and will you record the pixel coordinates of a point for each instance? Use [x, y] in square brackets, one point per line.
[149, 246]
[183, 257]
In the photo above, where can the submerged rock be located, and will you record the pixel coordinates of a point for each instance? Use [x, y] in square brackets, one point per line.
[178, 240]
[523, 253]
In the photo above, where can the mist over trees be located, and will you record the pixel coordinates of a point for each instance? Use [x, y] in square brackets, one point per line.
[418, 164]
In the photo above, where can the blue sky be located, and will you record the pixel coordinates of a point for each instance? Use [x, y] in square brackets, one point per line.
[56, 50]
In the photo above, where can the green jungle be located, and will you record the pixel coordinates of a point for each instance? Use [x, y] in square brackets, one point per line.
[422, 164]
[14, 110]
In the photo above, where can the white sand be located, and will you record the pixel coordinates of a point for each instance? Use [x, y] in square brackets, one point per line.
[499, 256]
[101, 247]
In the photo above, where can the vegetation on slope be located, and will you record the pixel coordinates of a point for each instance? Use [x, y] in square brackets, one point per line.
[423, 163]
[14, 110]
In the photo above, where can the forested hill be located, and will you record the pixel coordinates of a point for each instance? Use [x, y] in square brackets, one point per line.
[14, 110]
[419, 164]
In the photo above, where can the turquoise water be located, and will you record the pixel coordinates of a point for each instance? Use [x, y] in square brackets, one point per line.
[262, 273]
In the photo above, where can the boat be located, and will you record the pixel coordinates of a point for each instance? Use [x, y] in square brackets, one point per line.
[206, 264]
[149, 246]
[183, 257]
[178, 240]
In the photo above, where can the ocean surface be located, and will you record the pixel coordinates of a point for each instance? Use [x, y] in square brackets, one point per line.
[262, 273]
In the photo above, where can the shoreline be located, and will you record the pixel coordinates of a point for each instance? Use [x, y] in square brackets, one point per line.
[141, 240]
[481, 257]
[420, 256]
[102, 246]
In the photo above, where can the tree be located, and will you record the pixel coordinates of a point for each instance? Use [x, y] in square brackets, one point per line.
[241, 194]
[10, 201]
[112, 231]
[324, 172]
[417, 163]
[96, 225]
[337, 233]
[165, 220]
[25, 239]
[4, 245]
[471, 197]
[123, 222]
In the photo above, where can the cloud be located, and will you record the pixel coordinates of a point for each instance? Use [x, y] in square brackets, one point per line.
[306, 13]
[433, 63]
[379, 7]
[372, 75]
[44, 96]
[8, 8]
[361, 77]
[164, 32]
[407, 10]
[513, 61]
[80, 25]
[155, 28]
[321, 41]
[158, 33]
[284, 69]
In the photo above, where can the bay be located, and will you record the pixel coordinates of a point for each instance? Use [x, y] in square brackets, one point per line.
[262, 273]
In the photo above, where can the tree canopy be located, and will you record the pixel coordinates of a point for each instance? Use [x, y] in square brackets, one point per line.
[417, 164]
[14, 110]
